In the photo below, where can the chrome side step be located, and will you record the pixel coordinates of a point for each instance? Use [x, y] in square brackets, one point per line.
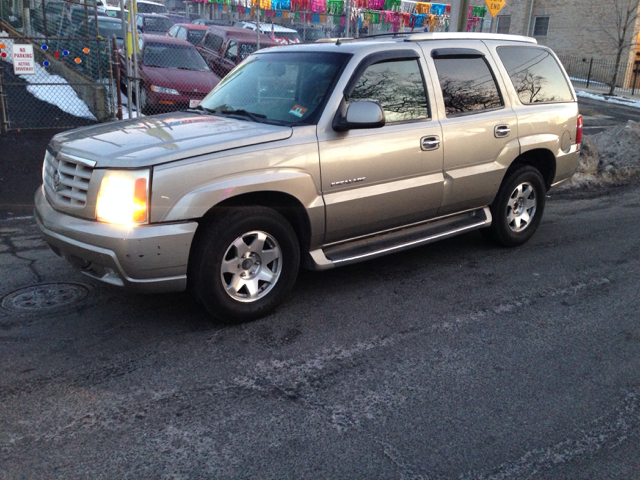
[398, 240]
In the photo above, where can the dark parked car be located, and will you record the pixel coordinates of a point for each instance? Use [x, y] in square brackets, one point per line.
[225, 47]
[153, 23]
[174, 76]
[191, 32]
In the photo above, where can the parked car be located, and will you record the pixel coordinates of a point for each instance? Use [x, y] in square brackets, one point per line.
[145, 6]
[322, 154]
[309, 33]
[178, 18]
[52, 21]
[173, 74]
[202, 21]
[191, 32]
[225, 47]
[280, 34]
[153, 23]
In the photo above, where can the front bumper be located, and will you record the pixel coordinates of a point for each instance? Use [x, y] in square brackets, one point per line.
[146, 259]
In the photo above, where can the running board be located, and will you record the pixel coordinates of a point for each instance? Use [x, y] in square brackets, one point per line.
[398, 240]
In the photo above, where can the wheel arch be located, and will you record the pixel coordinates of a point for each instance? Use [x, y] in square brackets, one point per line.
[541, 159]
[285, 204]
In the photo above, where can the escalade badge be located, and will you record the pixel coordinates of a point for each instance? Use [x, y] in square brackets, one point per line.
[346, 182]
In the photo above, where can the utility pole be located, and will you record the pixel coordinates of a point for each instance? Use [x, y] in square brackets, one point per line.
[459, 16]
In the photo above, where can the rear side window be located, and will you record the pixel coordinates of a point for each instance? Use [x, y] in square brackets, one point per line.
[468, 85]
[213, 42]
[397, 86]
[535, 75]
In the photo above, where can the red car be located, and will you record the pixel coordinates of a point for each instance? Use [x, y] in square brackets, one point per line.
[173, 74]
[191, 32]
[225, 47]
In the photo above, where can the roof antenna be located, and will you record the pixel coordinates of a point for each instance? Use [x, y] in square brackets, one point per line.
[338, 41]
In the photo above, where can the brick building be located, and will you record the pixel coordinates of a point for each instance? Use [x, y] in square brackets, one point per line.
[576, 28]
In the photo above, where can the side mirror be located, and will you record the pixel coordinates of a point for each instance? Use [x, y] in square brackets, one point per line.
[360, 115]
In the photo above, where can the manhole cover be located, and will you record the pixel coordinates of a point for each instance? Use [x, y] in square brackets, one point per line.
[45, 297]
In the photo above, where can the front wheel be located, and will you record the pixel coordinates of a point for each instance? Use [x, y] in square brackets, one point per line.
[244, 263]
[518, 207]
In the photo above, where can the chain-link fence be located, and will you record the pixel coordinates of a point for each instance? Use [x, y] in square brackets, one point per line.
[69, 82]
[598, 74]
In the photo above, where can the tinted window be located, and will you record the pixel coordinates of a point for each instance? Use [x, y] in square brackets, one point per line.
[213, 42]
[535, 75]
[467, 85]
[397, 86]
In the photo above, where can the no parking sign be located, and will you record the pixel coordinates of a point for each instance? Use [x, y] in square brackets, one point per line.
[23, 60]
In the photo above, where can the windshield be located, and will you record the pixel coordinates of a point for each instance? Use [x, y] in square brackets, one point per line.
[284, 88]
[158, 24]
[173, 56]
[106, 29]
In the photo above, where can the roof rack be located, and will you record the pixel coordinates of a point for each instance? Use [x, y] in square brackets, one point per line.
[417, 37]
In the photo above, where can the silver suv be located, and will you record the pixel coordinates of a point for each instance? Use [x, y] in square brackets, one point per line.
[318, 155]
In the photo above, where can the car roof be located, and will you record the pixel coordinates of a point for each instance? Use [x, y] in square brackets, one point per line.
[154, 15]
[267, 27]
[193, 26]
[240, 33]
[166, 39]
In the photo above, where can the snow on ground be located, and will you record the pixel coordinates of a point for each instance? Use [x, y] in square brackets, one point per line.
[615, 99]
[608, 157]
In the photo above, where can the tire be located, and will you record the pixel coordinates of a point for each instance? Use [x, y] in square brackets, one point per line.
[244, 263]
[518, 207]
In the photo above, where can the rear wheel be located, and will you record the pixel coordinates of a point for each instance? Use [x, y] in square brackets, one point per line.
[518, 207]
[244, 263]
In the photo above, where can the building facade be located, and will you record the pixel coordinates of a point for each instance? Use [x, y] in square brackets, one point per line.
[578, 28]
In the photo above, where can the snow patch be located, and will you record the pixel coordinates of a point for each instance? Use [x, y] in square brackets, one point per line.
[608, 157]
[615, 99]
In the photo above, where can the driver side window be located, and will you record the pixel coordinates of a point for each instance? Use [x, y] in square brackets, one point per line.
[398, 86]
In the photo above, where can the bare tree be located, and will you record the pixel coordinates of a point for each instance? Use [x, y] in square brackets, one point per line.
[620, 28]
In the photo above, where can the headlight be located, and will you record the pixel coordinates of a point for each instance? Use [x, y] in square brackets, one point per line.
[123, 197]
[170, 91]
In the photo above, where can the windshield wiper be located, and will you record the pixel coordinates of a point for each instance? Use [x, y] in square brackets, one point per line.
[256, 117]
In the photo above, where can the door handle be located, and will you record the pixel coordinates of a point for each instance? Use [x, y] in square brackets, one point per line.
[501, 131]
[430, 143]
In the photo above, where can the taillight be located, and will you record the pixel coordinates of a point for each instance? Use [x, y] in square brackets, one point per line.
[579, 130]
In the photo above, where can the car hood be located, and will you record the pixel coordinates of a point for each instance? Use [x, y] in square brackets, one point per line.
[164, 138]
[188, 80]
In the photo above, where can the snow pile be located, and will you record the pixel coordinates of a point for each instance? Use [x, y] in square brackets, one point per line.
[609, 157]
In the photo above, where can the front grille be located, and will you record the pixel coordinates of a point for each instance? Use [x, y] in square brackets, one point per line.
[66, 179]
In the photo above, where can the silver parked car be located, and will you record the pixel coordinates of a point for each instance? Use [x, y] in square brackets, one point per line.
[318, 155]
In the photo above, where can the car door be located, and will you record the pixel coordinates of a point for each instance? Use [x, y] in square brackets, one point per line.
[381, 178]
[479, 127]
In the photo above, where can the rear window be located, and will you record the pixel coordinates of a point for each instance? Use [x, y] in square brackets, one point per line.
[535, 75]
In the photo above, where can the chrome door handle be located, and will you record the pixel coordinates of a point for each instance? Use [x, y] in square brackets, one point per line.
[430, 143]
[501, 131]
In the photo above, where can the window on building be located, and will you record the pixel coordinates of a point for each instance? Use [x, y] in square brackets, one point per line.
[535, 74]
[504, 24]
[398, 86]
[540, 26]
[468, 85]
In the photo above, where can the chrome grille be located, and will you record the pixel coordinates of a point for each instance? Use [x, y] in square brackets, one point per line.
[66, 179]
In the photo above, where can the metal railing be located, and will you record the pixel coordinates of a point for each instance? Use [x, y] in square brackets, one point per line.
[598, 74]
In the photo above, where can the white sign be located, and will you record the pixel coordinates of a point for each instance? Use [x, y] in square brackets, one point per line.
[23, 61]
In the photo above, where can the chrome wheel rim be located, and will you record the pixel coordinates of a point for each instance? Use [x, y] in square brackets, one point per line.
[521, 207]
[251, 266]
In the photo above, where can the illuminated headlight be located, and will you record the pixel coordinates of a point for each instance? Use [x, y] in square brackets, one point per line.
[170, 91]
[123, 197]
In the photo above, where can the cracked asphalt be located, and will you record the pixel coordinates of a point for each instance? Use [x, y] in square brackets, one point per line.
[455, 360]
